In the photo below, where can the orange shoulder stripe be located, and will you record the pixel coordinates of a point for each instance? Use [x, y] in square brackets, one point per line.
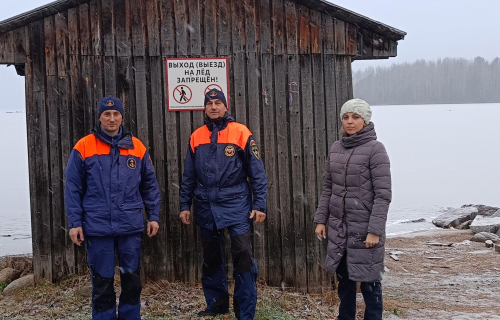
[89, 146]
[139, 149]
[235, 133]
[200, 136]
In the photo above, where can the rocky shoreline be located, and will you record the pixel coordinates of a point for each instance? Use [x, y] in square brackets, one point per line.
[435, 274]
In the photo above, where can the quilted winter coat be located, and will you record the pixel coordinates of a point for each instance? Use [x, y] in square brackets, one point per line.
[354, 202]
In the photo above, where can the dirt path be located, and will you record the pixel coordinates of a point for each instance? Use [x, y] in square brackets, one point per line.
[440, 282]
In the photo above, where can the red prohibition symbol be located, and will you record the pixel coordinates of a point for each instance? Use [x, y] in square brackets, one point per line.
[182, 94]
[213, 86]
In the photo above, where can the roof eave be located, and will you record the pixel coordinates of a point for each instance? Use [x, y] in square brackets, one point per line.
[38, 14]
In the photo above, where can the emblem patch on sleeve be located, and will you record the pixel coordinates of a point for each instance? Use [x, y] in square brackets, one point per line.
[229, 151]
[131, 163]
[255, 151]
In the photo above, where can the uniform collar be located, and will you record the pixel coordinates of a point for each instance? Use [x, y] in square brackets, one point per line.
[123, 142]
[220, 123]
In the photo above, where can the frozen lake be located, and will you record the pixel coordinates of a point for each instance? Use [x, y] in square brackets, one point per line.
[441, 156]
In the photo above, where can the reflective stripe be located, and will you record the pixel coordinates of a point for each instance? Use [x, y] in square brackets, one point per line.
[235, 133]
[90, 146]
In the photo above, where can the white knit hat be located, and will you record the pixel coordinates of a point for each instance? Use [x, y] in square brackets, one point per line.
[358, 106]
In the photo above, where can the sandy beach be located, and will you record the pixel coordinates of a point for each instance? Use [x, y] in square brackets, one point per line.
[457, 279]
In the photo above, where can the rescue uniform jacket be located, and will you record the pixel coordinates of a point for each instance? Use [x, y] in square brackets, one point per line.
[354, 202]
[108, 183]
[222, 158]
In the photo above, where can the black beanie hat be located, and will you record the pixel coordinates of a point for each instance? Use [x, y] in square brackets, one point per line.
[215, 94]
[110, 103]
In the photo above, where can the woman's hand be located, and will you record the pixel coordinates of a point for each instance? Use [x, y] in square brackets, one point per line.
[371, 240]
[321, 231]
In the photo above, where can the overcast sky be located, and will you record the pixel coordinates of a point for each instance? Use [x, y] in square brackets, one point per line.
[436, 29]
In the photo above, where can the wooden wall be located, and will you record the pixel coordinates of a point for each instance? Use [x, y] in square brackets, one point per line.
[290, 72]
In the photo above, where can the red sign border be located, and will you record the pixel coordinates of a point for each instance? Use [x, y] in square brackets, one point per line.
[203, 58]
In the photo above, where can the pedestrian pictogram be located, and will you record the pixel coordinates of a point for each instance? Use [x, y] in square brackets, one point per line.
[214, 86]
[182, 94]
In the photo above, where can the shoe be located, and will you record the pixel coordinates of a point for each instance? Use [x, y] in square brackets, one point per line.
[211, 313]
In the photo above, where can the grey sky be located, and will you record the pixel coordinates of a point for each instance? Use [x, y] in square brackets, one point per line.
[436, 29]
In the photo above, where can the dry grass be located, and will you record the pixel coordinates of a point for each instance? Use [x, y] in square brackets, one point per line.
[160, 300]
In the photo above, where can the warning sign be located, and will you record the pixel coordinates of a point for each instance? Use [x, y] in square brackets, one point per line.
[188, 79]
[182, 94]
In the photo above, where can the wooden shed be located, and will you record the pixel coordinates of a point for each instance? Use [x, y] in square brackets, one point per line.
[289, 73]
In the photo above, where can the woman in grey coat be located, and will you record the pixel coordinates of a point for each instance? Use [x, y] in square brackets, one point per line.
[353, 208]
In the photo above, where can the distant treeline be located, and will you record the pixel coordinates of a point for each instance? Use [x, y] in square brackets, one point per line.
[448, 80]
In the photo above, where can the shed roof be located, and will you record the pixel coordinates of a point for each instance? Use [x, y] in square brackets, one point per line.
[318, 5]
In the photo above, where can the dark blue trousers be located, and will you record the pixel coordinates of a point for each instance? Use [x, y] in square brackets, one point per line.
[101, 259]
[347, 289]
[245, 271]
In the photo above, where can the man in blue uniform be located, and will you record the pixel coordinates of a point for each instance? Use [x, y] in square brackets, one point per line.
[109, 180]
[223, 171]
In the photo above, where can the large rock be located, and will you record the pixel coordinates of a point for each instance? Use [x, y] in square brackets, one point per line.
[482, 209]
[485, 224]
[454, 217]
[483, 236]
[465, 225]
[8, 275]
[24, 282]
[497, 213]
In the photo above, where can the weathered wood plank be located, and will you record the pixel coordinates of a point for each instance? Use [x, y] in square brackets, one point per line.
[341, 85]
[393, 48]
[329, 34]
[378, 45]
[54, 160]
[98, 85]
[96, 27]
[141, 100]
[223, 28]
[108, 29]
[316, 32]
[122, 28]
[153, 27]
[270, 157]
[62, 100]
[254, 109]
[138, 28]
[87, 81]
[209, 46]
[367, 44]
[265, 26]
[181, 21]
[309, 92]
[304, 30]
[282, 94]
[278, 19]
[296, 219]
[7, 47]
[252, 36]
[85, 30]
[351, 39]
[50, 47]
[20, 45]
[41, 220]
[195, 30]
[109, 76]
[125, 91]
[159, 263]
[331, 99]
[350, 89]
[73, 31]
[167, 31]
[316, 272]
[340, 36]
[175, 154]
[292, 31]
